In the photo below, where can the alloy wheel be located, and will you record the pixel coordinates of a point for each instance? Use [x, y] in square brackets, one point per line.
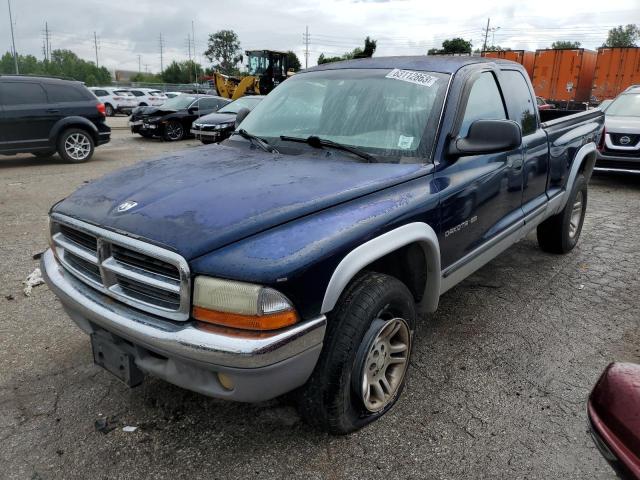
[77, 146]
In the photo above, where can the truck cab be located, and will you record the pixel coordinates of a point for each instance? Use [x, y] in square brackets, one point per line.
[300, 254]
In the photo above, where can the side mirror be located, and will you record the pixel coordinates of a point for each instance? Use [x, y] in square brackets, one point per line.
[193, 109]
[241, 115]
[487, 136]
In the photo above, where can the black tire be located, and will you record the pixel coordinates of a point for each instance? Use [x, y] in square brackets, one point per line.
[560, 233]
[173, 131]
[109, 110]
[330, 399]
[75, 136]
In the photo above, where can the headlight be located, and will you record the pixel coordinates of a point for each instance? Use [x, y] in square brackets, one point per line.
[153, 119]
[222, 126]
[241, 305]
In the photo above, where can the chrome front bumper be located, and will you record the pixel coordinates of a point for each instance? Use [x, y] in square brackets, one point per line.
[263, 365]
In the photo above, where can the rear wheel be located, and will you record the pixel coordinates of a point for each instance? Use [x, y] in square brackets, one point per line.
[560, 233]
[362, 367]
[173, 131]
[109, 110]
[75, 145]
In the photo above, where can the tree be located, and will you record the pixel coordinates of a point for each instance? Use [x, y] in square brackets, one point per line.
[183, 72]
[561, 44]
[496, 48]
[63, 63]
[224, 50]
[293, 61]
[452, 46]
[366, 52]
[143, 77]
[623, 36]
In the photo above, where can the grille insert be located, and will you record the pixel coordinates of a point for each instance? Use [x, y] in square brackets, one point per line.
[137, 273]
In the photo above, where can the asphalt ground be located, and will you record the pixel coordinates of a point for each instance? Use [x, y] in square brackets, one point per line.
[497, 387]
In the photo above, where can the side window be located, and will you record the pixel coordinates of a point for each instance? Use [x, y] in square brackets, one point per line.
[101, 93]
[137, 93]
[484, 103]
[520, 100]
[22, 93]
[59, 93]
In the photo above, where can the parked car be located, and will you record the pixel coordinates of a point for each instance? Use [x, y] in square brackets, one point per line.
[43, 116]
[619, 149]
[614, 418]
[172, 121]
[115, 100]
[543, 104]
[299, 254]
[219, 125]
[148, 97]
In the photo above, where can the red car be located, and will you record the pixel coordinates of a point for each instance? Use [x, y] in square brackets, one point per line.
[614, 417]
[543, 105]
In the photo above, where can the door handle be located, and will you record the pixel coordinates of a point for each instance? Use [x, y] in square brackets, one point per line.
[53, 110]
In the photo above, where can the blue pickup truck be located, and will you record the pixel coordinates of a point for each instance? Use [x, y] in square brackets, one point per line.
[298, 255]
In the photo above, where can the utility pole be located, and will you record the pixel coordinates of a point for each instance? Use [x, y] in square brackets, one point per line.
[305, 37]
[189, 50]
[161, 60]
[95, 44]
[486, 35]
[139, 63]
[13, 40]
[193, 39]
[47, 35]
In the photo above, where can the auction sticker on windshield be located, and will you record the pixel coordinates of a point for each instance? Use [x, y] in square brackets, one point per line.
[419, 78]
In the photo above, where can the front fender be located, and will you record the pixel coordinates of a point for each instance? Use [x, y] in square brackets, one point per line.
[73, 121]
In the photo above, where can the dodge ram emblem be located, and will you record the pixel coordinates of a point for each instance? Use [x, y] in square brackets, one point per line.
[625, 140]
[128, 205]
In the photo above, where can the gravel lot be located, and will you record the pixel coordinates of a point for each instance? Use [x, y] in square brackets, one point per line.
[497, 387]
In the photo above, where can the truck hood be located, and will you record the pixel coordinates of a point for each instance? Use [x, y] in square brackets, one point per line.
[618, 124]
[196, 201]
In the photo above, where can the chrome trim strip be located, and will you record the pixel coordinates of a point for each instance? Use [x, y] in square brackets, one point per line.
[112, 265]
[177, 339]
[107, 237]
[79, 251]
[380, 246]
[617, 170]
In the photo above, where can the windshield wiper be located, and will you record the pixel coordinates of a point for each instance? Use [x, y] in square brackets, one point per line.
[318, 142]
[255, 140]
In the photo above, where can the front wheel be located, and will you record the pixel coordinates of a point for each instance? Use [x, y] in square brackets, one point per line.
[560, 233]
[365, 356]
[173, 131]
[75, 145]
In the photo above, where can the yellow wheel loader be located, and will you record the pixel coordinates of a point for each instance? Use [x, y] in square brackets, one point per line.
[267, 68]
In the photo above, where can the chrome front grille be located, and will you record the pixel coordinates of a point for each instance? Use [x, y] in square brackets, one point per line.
[137, 273]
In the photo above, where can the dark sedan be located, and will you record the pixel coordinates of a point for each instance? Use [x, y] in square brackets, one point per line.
[218, 126]
[172, 120]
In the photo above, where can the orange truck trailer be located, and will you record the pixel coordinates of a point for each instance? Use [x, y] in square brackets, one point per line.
[616, 69]
[564, 75]
[523, 57]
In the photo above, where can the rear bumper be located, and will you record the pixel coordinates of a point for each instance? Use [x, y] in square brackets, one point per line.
[103, 137]
[262, 366]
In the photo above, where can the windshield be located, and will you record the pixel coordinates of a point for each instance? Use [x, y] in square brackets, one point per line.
[236, 105]
[389, 113]
[626, 105]
[178, 103]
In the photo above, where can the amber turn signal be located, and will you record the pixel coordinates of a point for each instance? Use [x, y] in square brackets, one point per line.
[246, 322]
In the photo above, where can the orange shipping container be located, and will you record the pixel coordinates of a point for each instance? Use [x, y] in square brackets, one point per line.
[523, 57]
[564, 75]
[616, 69]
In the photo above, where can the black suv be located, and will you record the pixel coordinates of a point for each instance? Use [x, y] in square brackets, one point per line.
[41, 115]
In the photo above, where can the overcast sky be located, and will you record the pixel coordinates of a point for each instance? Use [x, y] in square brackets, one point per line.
[128, 28]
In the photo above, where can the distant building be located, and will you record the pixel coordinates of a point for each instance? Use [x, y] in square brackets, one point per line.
[124, 75]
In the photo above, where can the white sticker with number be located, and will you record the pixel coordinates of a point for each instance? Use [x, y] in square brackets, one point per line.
[404, 143]
[411, 76]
